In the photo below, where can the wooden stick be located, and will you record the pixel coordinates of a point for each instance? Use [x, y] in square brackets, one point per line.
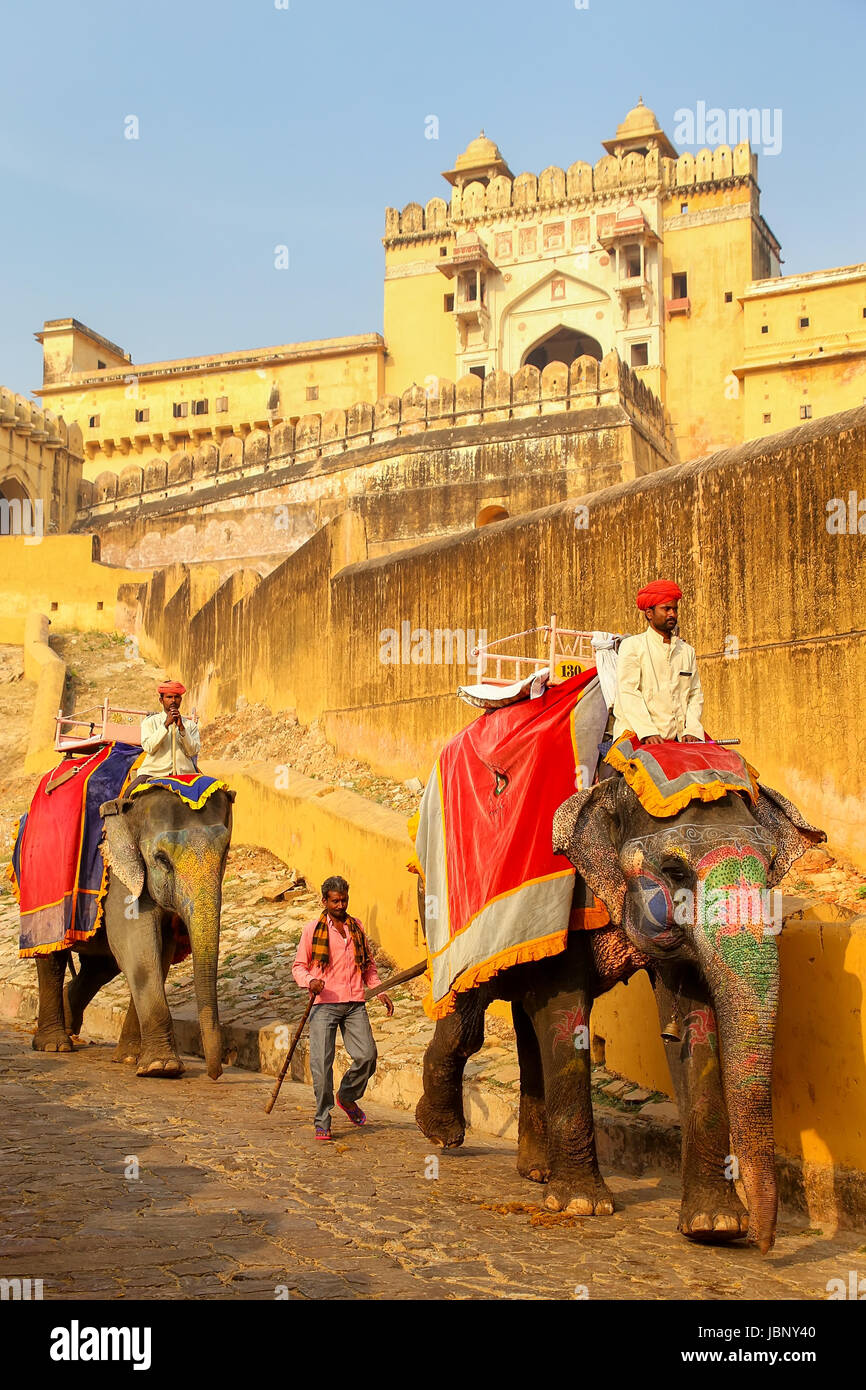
[282, 1076]
[411, 974]
[173, 749]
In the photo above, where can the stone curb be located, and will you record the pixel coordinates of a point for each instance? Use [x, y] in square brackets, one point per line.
[632, 1144]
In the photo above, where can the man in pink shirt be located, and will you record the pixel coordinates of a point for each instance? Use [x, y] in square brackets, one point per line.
[333, 962]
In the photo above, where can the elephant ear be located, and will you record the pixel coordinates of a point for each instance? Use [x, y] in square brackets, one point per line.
[793, 834]
[120, 848]
[584, 830]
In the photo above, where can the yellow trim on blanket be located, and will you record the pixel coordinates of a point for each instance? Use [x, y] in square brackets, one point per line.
[521, 954]
[648, 794]
[215, 786]
[509, 893]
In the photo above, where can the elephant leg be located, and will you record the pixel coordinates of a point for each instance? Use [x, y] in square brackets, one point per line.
[532, 1124]
[559, 1009]
[129, 1042]
[51, 1033]
[711, 1209]
[93, 973]
[140, 950]
[439, 1112]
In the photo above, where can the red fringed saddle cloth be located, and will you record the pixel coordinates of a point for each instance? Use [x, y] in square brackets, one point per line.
[497, 894]
[665, 777]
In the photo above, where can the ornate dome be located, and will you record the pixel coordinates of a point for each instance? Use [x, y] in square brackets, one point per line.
[481, 160]
[640, 131]
[478, 151]
[639, 121]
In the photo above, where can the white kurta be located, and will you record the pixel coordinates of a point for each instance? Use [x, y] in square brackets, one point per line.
[156, 742]
[658, 688]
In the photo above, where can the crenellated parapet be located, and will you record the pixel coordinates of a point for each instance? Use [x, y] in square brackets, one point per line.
[27, 420]
[579, 184]
[331, 438]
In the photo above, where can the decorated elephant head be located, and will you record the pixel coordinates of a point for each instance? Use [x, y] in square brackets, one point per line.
[697, 887]
[156, 841]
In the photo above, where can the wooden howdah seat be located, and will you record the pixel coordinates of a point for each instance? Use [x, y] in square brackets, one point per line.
[92, 728]
[507, 670]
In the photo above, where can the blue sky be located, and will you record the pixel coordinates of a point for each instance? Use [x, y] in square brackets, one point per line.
[261, 126]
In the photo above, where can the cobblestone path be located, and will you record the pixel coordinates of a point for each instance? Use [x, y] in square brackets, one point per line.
[231, 1203]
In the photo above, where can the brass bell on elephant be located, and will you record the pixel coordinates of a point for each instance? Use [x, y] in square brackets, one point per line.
[672, 1032]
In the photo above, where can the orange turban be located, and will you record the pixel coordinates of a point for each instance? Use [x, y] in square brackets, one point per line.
[171, 688]
[660, 591]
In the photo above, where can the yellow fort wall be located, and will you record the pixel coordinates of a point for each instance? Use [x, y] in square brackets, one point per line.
[260, 388]
[60, 571]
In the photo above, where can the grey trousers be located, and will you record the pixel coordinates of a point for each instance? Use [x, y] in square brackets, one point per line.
[358, 1040]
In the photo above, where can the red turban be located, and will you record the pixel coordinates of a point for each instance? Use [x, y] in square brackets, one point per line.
[660, 591]
[171, 688]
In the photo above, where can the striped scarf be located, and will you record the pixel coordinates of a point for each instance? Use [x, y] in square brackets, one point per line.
[320, 953]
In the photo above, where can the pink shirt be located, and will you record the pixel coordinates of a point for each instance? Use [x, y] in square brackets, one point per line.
[344, 983]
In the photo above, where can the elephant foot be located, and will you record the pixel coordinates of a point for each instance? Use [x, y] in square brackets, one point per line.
[532, 1158]
[444, 1127]
[125, 1052]
[713, 1214]
[55, 1039]
[159, 1066]
[584, 1195]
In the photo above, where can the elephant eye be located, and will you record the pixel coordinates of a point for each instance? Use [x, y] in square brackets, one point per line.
[162, 859]
[676, 870]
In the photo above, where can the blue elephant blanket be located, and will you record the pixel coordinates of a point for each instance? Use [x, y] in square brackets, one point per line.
[57, 872]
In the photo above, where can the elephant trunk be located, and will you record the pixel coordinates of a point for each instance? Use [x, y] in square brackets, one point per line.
[745, 987]
[203, 926]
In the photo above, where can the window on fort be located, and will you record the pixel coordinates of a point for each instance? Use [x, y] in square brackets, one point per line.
[93, 422]
[630, 266]
[100, 366]
[142, 416]
[805, 412]
[804, 323]
[767, 417]
[221, 403]
[180, 410]
[470, 289]
[729, 296]
[480, 372]
[312, 393]
[680, 286]
[443, 250]
[199, 407]
[639, 354]
[765, 328]
[684, 207]
[557, 288]
[448, 303]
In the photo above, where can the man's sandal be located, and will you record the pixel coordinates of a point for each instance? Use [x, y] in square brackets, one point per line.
[323, 1133]
[353, 1110]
